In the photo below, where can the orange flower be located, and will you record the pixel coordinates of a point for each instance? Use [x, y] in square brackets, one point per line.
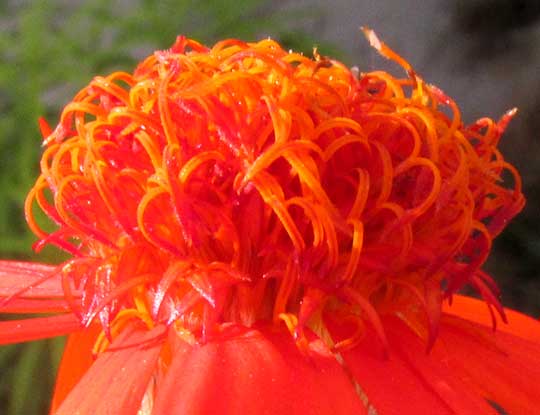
[253, 231]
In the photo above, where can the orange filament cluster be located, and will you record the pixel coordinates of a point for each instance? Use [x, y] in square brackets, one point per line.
[243, 183]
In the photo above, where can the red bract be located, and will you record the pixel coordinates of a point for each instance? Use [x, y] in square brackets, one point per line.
[254, 231]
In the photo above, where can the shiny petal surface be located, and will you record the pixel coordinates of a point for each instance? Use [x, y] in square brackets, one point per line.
[255, 372]
[16, 276]
[117, 381]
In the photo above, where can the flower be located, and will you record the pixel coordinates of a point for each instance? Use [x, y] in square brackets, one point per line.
[253, 231]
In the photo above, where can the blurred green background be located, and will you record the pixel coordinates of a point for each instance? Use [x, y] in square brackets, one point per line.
[51, 49]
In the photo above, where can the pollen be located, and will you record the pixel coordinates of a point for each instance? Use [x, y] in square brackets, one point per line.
[245, 184]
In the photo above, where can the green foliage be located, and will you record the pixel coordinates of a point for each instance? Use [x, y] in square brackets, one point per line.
[28, 376]
[48, 51]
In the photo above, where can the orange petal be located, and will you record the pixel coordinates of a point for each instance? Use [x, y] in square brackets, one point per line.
[17, 331]
[117, 381]
[28, 306]
[476, 310]
[503, 367]
[409, 381]
[255, 372]
[76, 360]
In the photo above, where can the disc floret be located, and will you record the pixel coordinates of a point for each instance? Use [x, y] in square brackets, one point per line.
[246, 184]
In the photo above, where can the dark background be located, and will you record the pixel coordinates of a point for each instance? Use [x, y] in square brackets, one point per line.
[484, 53]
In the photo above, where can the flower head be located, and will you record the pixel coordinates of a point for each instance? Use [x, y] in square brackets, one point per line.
[275, 230]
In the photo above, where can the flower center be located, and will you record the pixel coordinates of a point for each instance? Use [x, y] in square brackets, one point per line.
[244, 183]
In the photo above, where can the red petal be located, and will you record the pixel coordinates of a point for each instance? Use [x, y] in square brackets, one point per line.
[410, 381]
[23, 305]
[255, 372]
[117, 381]
[434, 372]
[15, 276]
[503, 367]
[477, 311]
[17, 331]
[76, 360]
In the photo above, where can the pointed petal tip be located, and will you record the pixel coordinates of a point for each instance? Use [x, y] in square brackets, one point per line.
[116, 382]
[372, 37]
